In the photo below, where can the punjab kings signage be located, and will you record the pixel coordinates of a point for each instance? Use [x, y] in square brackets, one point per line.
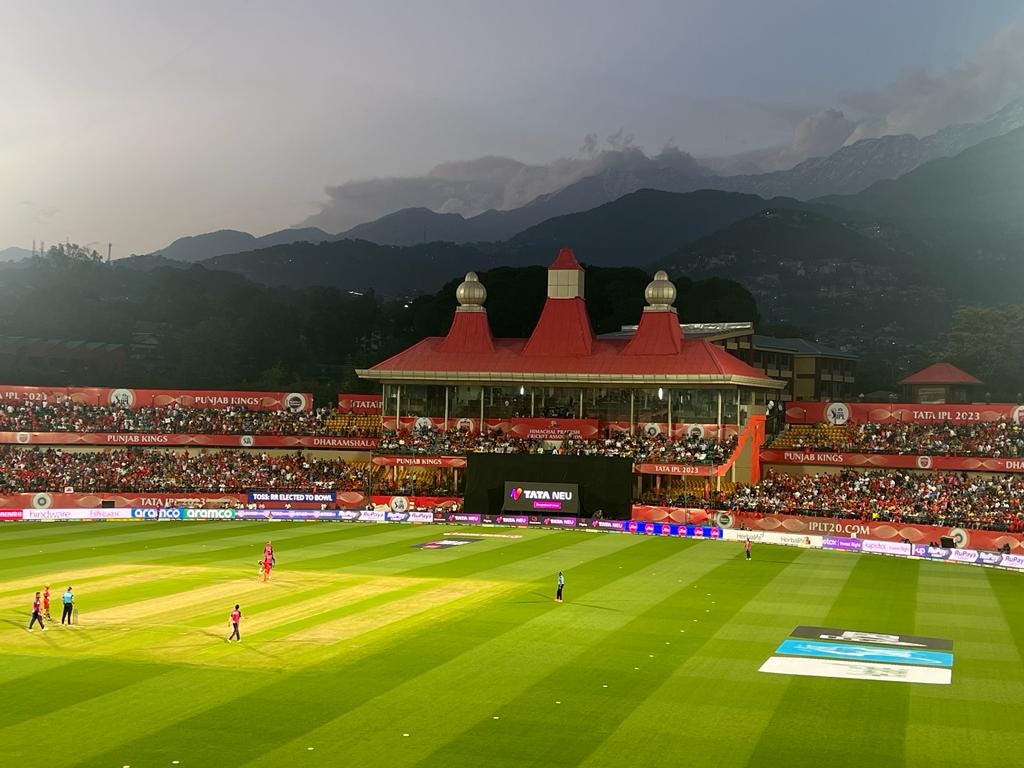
[316, 442]
[893, 461]
[420, 461]
[134, 399]
[360, 404]
[839, 413]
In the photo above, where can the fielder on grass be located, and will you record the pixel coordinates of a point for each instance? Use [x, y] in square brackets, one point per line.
[36, 615]
[236, 617]
[561, 586]
[46, 602]
[746, 548]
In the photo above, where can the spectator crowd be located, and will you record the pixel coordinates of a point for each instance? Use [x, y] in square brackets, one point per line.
[692, 449]
[954, 499]
[142, 470]
[993, 439]
[68, 416]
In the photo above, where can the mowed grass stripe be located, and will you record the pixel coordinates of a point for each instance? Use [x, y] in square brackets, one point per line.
[105, 724]
[25, 588]
[350, 680]
[289, 625]
[880, 596]
[292, 545]
[618, 670]
[434, 706]
[77, 682]
[715, 679]
[986, 699]
[143, 540]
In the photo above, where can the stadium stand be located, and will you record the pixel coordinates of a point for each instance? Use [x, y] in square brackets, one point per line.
[948, 499]
[994, 439]
[431, 442]
[148, 470]
[68, 416]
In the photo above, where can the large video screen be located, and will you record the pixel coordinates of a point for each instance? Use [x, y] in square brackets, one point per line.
[603, 484]
[550, 498]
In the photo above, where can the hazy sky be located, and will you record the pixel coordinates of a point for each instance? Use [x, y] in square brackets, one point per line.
[138, 122]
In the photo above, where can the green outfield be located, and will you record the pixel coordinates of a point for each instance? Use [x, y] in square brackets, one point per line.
[366, 650]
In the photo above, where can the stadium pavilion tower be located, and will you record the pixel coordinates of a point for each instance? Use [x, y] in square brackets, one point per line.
[563, 380]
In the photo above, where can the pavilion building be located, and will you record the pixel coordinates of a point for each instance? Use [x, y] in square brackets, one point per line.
[565, 381]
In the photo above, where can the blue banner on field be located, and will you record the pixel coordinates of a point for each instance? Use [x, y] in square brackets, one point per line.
[867, 653]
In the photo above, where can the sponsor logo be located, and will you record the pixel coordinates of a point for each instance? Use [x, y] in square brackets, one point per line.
[856, 670]
[42, 501]
[22, 438]
[423, 424]
[959, 536]
[837, 413]
[853, 652]
[396, 517]
[652, 429]
[515, 493]
[1018, 415]
[444, 543]
[247, 441]
[723, 520]
[122, 398]
[399, 504]
[695, 431]
[924, 462]
[874, 638]
[295, 402]
[464, 424]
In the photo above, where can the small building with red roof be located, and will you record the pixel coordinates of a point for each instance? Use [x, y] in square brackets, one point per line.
[941, 383]
[656, 381]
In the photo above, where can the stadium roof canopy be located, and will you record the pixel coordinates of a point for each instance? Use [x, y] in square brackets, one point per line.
[563, 347]
[941, 373]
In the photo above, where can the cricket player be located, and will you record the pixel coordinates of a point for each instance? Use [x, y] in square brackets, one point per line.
[268, 563]
[746, 548]
[236, 617]
[561, 586]
[36, 615]
[46, 602]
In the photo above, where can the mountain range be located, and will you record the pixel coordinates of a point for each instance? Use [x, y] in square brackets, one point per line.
[848, 170]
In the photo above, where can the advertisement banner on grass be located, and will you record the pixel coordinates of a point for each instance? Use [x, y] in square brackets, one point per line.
[885, 530]
[444, 516]
[10, 514]
[73, 514]
[773, 537]
[887, 547]
[179, 513]
[841, 543]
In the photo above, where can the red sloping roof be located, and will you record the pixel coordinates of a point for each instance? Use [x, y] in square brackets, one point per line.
[940, 373]
[696, 357]
[563, 329]
[658, 334]
[566, 260]
[469, 333]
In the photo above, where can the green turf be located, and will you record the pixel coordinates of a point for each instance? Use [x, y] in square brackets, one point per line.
[375, 653]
